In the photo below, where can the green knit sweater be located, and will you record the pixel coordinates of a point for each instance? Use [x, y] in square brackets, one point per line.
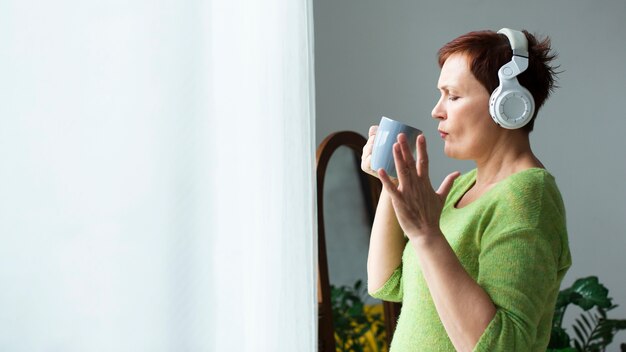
[513, 242]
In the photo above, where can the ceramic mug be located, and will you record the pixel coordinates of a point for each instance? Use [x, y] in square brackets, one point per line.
[386, 136]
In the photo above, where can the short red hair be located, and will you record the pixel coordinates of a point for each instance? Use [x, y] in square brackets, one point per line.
[487, 51]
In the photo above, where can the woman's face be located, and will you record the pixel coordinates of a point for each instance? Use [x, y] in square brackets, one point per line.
[463, 112]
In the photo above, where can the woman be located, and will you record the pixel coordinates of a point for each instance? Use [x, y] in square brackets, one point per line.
[477, 263]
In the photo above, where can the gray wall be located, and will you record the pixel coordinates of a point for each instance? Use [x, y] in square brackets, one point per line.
[378, 58]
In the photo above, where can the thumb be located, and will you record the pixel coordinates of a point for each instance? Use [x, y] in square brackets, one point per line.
[446, 185]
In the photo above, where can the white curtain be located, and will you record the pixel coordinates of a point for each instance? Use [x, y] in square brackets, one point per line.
[156, 176]
[261, 69]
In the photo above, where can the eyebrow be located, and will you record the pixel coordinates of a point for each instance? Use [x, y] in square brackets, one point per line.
[447, 87]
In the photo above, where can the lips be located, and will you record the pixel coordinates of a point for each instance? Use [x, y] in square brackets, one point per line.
[443, 134]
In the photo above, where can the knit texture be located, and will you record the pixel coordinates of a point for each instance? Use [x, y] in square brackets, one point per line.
[513, 242]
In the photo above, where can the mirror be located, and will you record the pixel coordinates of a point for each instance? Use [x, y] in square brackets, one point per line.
[348, 217]
[346, 220]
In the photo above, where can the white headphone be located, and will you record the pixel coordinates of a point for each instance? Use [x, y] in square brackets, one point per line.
[511, 105]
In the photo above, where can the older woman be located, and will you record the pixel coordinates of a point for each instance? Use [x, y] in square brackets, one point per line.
[478, 263]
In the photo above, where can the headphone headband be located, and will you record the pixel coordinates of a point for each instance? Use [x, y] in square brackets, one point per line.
[518, 41]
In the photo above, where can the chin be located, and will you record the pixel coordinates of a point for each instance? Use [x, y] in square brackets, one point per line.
[455, 153]
[450, 152]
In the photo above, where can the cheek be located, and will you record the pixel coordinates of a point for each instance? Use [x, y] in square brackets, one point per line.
[470, 136]
[475, 120]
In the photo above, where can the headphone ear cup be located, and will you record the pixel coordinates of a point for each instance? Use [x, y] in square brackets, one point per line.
[512, 107]
[492, 102]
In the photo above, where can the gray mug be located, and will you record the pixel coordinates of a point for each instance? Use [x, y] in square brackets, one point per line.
[386, 136]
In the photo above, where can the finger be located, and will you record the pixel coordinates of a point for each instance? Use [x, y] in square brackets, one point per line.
[372, 130]
[402, 168]
[388, 184]
[422, 156]
[366, 164]
[369, 146]
[446, 184]
[406, 150]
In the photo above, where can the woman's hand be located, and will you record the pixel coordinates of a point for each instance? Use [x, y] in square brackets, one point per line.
[418, 207]
[366, 157]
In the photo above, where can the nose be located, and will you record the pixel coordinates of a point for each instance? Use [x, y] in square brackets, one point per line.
[439, 111]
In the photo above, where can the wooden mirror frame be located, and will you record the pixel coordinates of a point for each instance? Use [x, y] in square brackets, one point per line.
[371, 188]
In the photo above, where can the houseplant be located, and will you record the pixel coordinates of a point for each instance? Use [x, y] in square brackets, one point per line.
[357, 328]
[593, 330]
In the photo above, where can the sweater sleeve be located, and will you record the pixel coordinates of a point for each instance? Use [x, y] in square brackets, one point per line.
[519, 271]
[392, 289]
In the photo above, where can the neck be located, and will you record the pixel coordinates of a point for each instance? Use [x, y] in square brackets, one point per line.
[511, 154]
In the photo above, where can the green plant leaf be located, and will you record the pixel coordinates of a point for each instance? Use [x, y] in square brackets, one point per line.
[588, 292]
[564, 298]
[559, 339]
[594, 333]
[587, 325]
[607, 330]
[580, 336]
[578, 346]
